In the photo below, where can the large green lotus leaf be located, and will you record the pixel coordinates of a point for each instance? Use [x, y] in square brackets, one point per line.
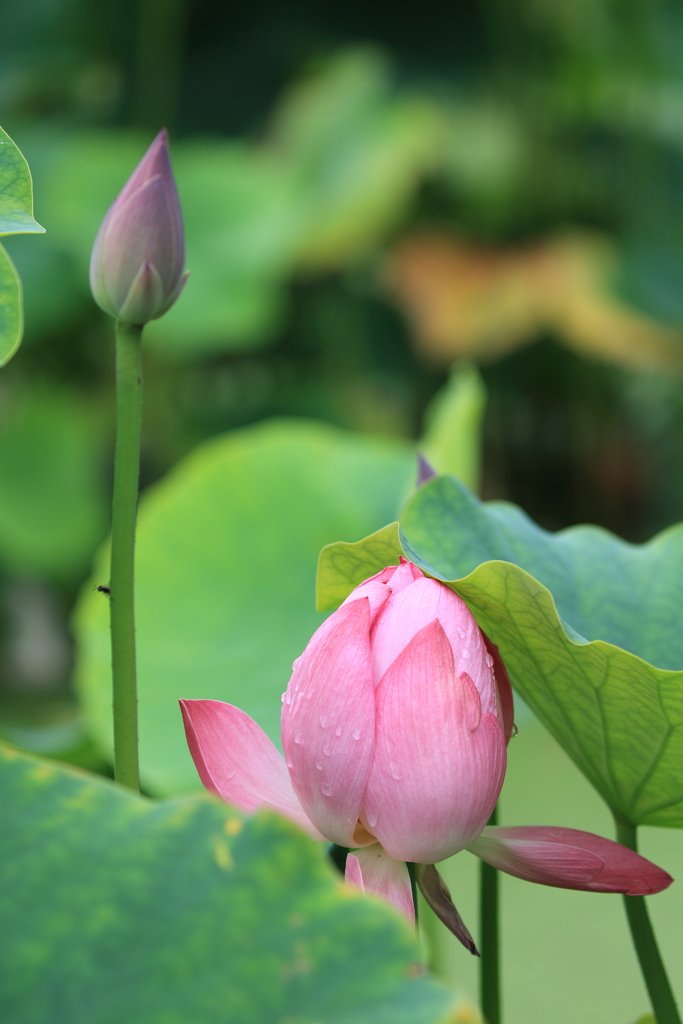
[16, 217]
[226, 555]
[52, 513]
[587, 624]
[117, 909]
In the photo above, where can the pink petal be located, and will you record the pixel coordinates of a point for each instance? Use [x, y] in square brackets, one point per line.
[413, 608]
[379, 588]
[500, 673]
[328, 722]
[569, 859]
[235, 759]
[373, 870]
[439, 763]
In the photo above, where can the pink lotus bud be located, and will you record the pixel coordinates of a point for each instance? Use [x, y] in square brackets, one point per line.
[394, 728]
[136, 268]
[392, 720]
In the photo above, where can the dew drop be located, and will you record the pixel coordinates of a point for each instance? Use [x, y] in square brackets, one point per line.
[323, 722]
[282, 698]
[515, 730]
[488, 660]
[326, 788]
[319, 764]
[229, 775]
[465, 652]
[310, 692]
[297, 684]
[356, 734]
[327, 750]
[338, 731]
[297, 737]
[372, 820]
[290, 762]
[288, 698]
[395, 770]
[461, 633]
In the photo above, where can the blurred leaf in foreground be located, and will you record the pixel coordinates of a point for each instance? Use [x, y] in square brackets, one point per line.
[185, 912]
[16, 217]
[574, 635]
[467, 301]
[227, 547]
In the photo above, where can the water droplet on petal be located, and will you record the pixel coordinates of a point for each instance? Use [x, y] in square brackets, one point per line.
[288, 698]
[326, 788]
[356, 734]
[488, 660]
[290, 762]
[282, 698]
[229, 775]
[323, 722]
[310, 692]
[327, 750]
[319, 764]
[372, 820]
[297, 737]
[515, 730]
[395, 770]
[338, 731]
[461, 633]
[465, 652]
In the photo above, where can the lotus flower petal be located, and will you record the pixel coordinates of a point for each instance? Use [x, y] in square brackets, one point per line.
[413, 608]
[569, 859]
[372, 870]
[236, 760]
[439, 763]
[328, 722]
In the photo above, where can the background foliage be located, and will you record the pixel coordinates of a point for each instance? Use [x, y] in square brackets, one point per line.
[370, 197]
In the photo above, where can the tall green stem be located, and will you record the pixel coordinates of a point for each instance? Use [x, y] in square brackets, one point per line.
[654, 972]
[489, 977]
[124, 509]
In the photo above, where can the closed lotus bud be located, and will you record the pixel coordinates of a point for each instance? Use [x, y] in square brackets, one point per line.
[137, 263]
[394, 730]
[393, 723]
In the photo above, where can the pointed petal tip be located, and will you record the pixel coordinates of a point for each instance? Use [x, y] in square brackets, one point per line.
[425, 470]
[437, 895]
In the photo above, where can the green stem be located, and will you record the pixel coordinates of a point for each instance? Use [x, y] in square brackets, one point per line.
[647, 951]
[489, 977]
[124, 508]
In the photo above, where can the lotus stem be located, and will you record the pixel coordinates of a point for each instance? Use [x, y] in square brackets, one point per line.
[489, 976]
[124, 509]
[651, 964]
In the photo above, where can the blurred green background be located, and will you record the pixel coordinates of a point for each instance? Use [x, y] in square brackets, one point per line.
[372, 194]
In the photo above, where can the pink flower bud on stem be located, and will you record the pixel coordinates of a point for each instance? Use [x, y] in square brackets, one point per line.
[136, 274]
[138, 259]
[394, 730]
